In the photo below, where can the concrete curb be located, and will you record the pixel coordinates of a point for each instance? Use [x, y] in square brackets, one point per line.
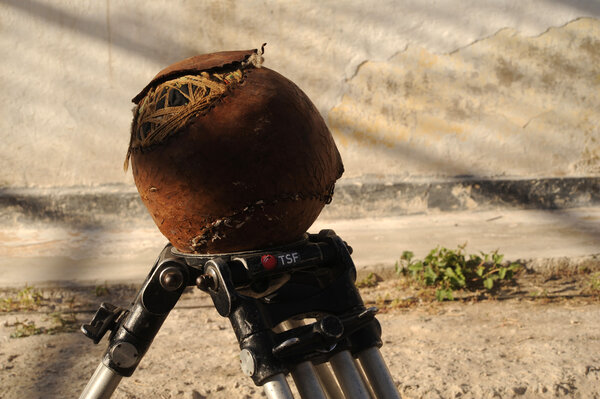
[116, 204]
[354, 199]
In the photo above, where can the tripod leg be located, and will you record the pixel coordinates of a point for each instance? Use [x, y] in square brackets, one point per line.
[103, 383]
[348, 376]
[134, 330]
[304, 375]
[332, 389]
[365, 379]
[307, 382]
[277, 388]
[378, 374]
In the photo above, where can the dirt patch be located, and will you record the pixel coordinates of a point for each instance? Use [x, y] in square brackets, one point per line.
[539, 339]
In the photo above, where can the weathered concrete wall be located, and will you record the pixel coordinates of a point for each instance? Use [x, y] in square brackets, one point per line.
[412, 89]
[505, 105]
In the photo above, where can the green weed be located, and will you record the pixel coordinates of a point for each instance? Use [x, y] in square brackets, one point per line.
[24, 329]
[369, 281]
[101, 290]
[593, 284]
[63, 322]
[28, 298]
[59, 323]
[449, 270]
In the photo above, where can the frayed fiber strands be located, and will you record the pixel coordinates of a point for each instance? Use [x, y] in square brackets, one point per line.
[169, 106]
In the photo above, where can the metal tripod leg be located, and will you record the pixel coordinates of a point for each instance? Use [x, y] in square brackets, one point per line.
[304, 375]
[348, 376]
[378, 374]
[307, 382]
[103, 383]
[133, 330]
[365, 379]
[277, 388]
[330, 385]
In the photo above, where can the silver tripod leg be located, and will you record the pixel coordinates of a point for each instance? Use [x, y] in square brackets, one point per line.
[307, 382]
[348, 376]
[378, 374]
[103, 383]
[365, 379]
[330, 385]
[277, 388]
[304, 375]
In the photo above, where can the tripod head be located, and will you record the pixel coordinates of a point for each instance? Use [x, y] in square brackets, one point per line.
[292, 308]
[311, 278]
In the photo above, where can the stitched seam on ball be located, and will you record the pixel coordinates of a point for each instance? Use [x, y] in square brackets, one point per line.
[234, 220]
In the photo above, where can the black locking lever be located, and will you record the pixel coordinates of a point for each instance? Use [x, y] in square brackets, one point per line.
[106, 318]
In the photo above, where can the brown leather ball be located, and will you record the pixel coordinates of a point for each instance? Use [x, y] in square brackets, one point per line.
[229, 156]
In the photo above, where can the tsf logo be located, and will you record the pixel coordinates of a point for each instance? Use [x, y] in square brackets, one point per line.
[288, 259]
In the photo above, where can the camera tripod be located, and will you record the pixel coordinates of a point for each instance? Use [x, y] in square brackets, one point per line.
[294, 309]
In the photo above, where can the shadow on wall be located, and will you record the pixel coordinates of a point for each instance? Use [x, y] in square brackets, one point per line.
[411, 117]
[104, 31]
[390, 129]
[587, 7]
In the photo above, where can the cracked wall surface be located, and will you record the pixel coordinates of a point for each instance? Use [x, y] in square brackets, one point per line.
[506, 105]
[412, 89]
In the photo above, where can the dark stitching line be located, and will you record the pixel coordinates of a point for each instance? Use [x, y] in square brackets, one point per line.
[202, 239]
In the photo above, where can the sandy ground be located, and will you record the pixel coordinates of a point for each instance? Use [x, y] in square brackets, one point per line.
[542, 340]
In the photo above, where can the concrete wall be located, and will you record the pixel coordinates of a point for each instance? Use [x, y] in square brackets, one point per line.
[506, 105]
[412, 90]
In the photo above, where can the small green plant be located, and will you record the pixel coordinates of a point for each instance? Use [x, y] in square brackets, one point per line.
[24, 329]
[539, 294]
[62, 322]
[369, 281]
[59, 323]
[101, 290]
[449, 270]
[593, 284]
[28, 298]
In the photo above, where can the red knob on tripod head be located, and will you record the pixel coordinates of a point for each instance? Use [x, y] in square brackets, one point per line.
[269, 262]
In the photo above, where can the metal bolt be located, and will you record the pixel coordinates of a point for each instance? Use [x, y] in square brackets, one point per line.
[202, 282]
[124, 354]
[247, 362]
[171, 278]
[209, 280]
[331, 327]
